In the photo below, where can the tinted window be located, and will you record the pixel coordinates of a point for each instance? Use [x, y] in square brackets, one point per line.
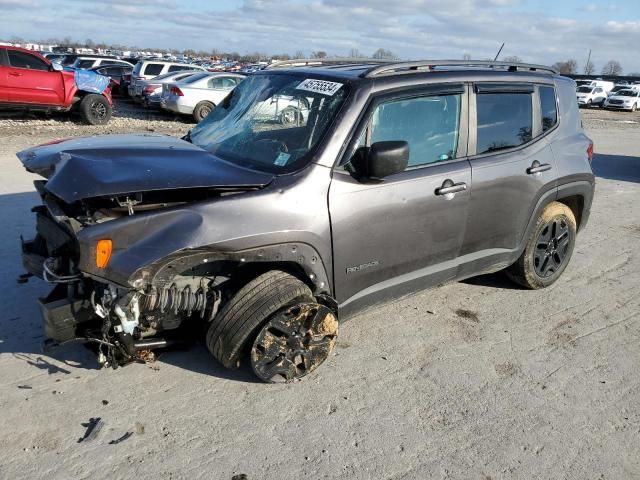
[153, 69]
[429, 124]
[178, 68]
[548, 105]
[504, 120]
[84, 63]
[26, 60]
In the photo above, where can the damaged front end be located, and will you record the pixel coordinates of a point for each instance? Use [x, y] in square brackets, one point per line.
[124, 323]
[89, 189]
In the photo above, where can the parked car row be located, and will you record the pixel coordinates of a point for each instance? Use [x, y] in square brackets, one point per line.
[606, 94]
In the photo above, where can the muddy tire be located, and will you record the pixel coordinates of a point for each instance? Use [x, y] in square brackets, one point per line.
[95, 109]
[548, 249]
[240, 319]
[202, 110]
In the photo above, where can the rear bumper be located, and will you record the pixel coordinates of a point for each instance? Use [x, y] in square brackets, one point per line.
[176, 106]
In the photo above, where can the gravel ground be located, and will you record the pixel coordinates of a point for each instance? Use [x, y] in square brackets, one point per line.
[473, 380]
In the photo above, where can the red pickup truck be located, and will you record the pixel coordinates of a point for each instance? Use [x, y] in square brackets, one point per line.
[28, 81]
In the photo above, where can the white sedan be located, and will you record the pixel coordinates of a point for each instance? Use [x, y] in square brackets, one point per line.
[624, 100]
[199, 94]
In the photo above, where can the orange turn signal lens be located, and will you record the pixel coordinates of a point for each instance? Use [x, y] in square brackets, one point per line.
[103, 253]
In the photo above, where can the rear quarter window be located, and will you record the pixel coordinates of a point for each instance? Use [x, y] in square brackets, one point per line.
[549, 108]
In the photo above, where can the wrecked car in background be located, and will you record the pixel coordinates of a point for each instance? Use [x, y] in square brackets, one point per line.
[261, 233]
[28, 81]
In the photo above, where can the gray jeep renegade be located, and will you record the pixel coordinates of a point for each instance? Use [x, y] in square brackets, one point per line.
[315, 189]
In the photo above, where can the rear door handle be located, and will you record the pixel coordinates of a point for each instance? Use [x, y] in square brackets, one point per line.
[537, 167]
[15, 74]
[449, 187]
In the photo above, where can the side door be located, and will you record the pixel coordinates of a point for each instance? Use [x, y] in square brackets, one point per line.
[4, 71]
[513, 168]
[403, 233]
[30, 80]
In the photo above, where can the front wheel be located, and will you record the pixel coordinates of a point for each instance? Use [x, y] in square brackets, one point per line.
[548, 250]
[95, 109]
[635, 107]
[275, 319]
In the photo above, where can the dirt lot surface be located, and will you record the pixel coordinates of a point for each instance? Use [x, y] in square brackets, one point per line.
[474, 380]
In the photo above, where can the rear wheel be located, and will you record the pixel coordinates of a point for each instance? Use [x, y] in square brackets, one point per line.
[95, 109]
[202, 110]
[635, 107]
[548, 250]
[276, 317]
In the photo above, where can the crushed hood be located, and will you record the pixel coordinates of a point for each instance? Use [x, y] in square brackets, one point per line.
[113, 165]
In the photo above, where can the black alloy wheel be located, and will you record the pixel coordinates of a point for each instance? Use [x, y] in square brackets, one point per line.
[552, 247]
[294, 343]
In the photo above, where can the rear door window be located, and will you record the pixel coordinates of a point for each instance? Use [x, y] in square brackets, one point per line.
[25, 60]
[548, 106]
[153, 69]
[505, 120]
[222, 83]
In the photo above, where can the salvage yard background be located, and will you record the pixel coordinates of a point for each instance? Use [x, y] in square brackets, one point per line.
[471, 380]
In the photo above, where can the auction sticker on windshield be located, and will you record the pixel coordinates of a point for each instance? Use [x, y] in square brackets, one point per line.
[319, 86]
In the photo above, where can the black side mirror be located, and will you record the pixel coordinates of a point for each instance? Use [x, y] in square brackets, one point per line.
[381, 159]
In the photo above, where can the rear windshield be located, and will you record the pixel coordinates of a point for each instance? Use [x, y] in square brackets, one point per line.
[195, 78]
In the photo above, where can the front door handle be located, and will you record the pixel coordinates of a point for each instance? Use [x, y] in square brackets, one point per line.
[537, 167]
[15, 74]
[448, 187]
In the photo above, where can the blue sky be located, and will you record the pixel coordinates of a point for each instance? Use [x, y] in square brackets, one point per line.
[542, 31]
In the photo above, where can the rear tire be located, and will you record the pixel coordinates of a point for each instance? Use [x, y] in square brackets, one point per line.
[251, 306]
[202, 110]
[548, 249]
[95, 109]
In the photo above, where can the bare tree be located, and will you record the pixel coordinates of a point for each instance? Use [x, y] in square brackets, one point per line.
[589, 68]
[466, 57]
[566, 68]
[512, 59]
[612, 67]
[355, 53]
[319, 54]
[299, 54]
[382, 54]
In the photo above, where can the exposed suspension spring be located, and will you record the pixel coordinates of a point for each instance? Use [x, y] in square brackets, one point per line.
[179, 300]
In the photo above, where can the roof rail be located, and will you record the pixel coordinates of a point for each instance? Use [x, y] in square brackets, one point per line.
[422, 65]
[317, 62]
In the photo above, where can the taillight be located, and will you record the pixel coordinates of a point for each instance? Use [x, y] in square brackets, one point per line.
[590, 152]
[177, 91]
[150, 88]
